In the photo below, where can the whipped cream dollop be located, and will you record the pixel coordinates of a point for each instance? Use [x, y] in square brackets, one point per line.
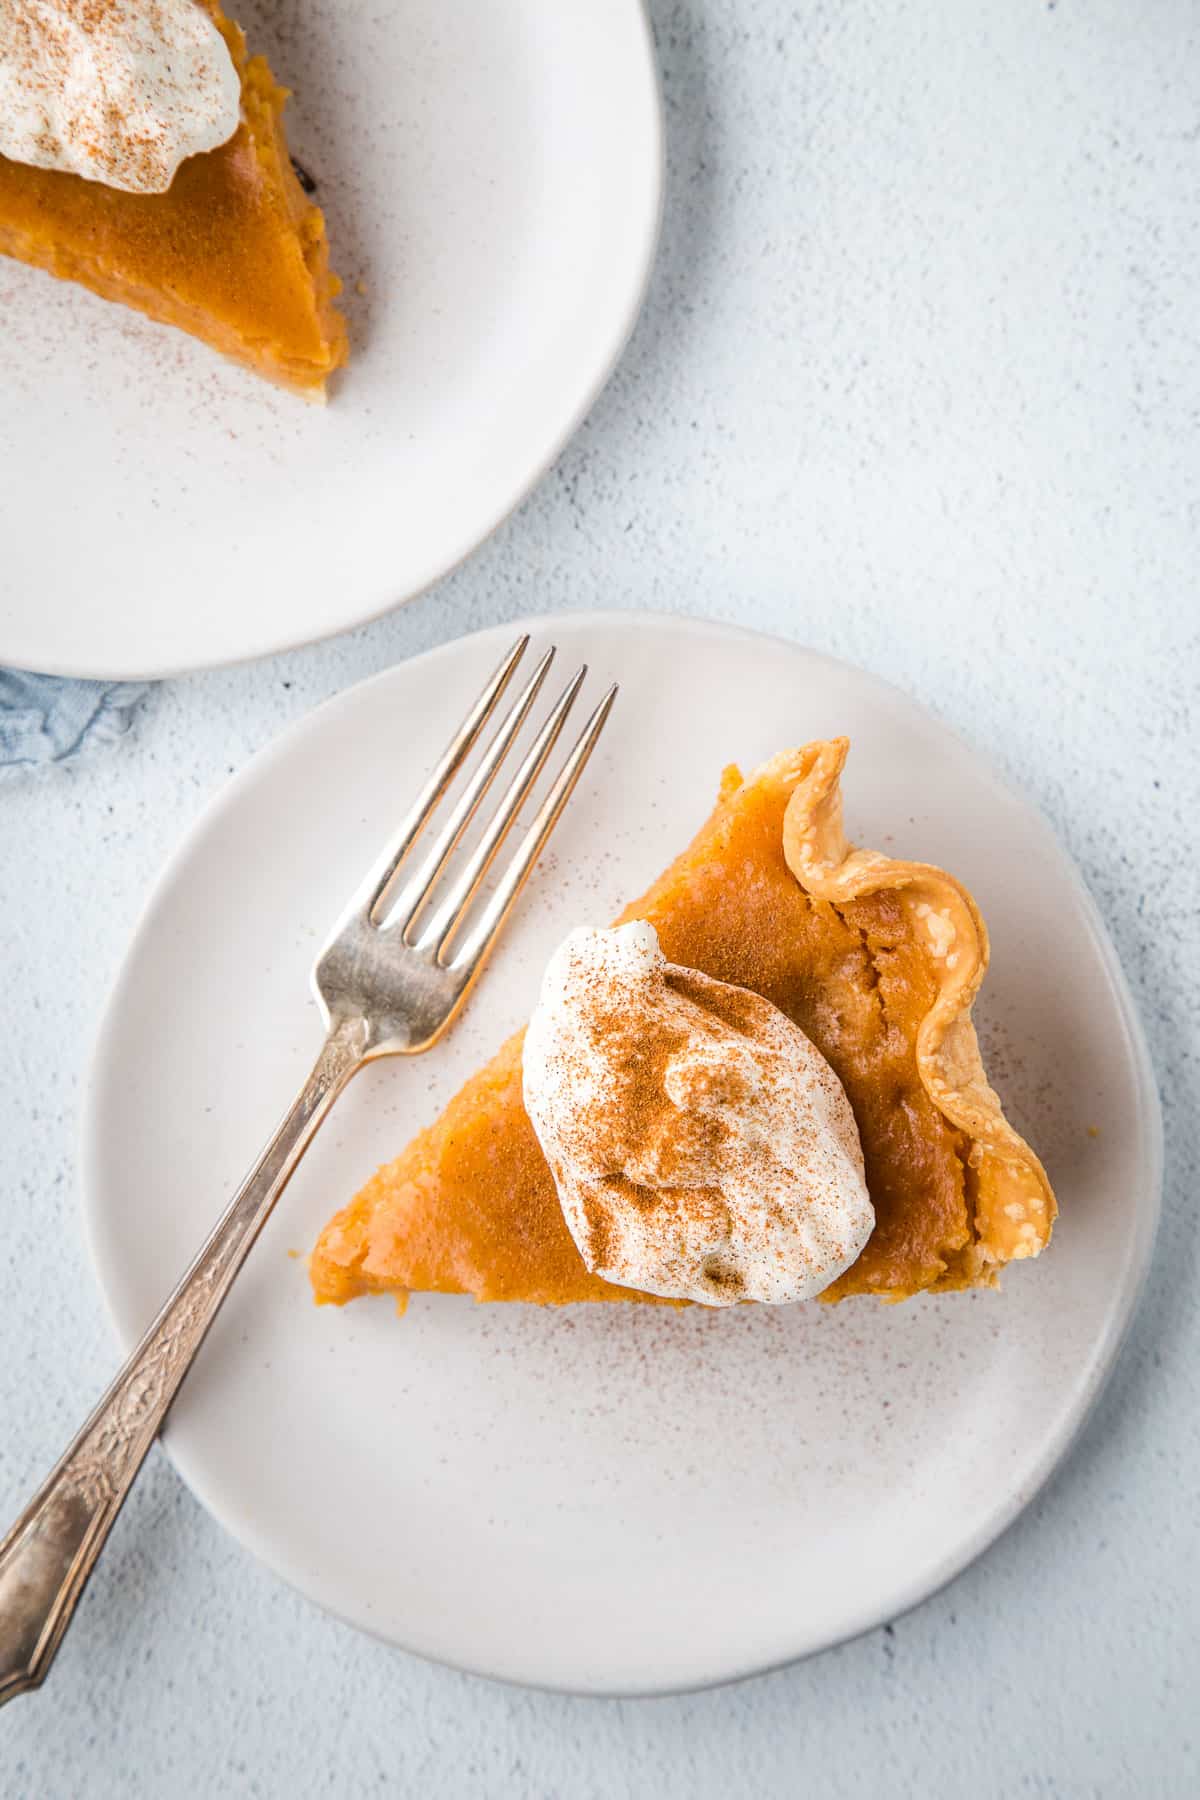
[119, 91]
[702, 1147]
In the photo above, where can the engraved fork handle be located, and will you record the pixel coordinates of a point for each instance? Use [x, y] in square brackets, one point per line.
[48, 1555]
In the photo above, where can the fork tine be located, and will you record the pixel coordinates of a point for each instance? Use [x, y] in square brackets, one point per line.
[452, 760]
[405, 907]
[474, 949]
[450, 908]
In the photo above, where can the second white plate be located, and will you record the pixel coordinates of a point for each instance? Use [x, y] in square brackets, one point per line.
[492, 177]
[614, 1500]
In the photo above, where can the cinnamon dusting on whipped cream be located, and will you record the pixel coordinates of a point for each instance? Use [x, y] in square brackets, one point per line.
[702, 1147]
[118, 91]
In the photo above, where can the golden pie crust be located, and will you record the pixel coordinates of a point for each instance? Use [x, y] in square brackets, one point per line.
[234, 252]
[876, 959]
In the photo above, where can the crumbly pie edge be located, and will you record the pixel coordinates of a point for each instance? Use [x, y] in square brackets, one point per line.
[1014, 1202]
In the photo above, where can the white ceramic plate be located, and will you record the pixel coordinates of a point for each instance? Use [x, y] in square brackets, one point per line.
[492, 176]
[604, 1499]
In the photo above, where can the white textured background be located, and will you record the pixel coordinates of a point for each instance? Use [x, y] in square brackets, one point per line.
[918, 384]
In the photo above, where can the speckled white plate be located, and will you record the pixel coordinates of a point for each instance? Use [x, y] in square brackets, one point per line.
[611, 1500]
[492, 178]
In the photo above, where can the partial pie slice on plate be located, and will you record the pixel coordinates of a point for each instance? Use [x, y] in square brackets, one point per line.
[876, 959]
[233, 252]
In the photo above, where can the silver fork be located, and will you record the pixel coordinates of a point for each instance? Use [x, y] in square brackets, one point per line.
[390, 980]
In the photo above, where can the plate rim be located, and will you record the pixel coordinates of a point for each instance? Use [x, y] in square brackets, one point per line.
[1060, 1439]
[386, 600]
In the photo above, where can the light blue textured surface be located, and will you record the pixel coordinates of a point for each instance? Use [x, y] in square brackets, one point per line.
[918, 384]
[45, 719]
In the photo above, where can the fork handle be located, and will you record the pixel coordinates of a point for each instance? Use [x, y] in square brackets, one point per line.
[48, 1555]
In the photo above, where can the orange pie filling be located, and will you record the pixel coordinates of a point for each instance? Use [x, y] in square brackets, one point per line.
[877, 961]
[233, 252]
